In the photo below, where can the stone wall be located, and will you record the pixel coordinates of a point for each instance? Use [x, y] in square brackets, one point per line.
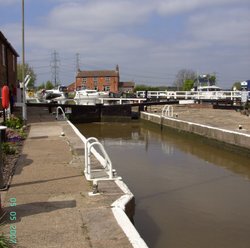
[218, 134]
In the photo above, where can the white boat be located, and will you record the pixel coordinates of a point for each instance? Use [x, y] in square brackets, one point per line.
[90, 94]
[207, 88]
[59, 94]
[208, 92]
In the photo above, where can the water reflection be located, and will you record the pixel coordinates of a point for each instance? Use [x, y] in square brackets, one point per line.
[189, 193]
[136, 133]
[202, 148]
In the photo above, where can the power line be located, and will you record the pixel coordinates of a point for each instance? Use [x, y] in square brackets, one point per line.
[41, 66]
[55, 67]
[152, 77]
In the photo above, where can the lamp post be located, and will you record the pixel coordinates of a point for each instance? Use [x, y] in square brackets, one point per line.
[23, 67]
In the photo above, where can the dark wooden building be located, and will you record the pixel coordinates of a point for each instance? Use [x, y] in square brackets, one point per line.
[8, 65]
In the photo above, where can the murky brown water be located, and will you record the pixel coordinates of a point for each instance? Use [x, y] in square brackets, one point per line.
[189, 194]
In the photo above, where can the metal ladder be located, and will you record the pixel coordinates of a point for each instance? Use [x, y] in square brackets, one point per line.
[63, 113]
[167, 111]
[104, 160]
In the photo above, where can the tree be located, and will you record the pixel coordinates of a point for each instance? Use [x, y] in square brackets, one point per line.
[237, 86]
[182, 76]
[212, 79]
[42, 86]
[142, 87]
[188, 84]
[49, 85]
[27, 70]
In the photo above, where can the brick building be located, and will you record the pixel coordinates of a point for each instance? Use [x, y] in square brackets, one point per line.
[127, 87]
[8, 65]
[105, 80]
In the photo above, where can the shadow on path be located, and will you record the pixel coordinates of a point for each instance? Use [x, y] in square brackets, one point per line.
[34, 208]
[42, 181]
[21, 163]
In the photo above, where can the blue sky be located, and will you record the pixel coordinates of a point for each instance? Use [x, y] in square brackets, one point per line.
[150, 40]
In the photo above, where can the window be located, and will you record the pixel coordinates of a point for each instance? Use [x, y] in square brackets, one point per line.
[84, 83]
[14, 62]
[3, 54]
[95, 83]
[107, 79]
[95, 80]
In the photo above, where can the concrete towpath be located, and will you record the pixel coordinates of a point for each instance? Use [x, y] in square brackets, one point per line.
[206, 115]
[53, 208]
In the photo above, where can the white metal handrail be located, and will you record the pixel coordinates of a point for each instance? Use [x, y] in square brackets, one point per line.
[122, 100]
[167, 111]
[104, 160]
[193, 95]
[107, 100]
[86, 157]
[57, 113]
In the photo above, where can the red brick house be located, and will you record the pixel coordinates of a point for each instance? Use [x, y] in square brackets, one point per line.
[127, 87]
[105, 80]
[8, 65]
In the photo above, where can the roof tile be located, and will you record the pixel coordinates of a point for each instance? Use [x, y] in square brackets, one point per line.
[104, 73]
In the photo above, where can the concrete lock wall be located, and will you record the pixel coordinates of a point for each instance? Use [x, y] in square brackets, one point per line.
[99, 112]
[90, 113]
[230, 137]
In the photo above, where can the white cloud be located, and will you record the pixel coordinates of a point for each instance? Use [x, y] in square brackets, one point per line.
[105, 32]
[229, 27]
[98, 15]
[170, 7]
[8, 2]
[13, 34]
[177, 6]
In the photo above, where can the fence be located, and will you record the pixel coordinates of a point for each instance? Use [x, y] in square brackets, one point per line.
[192, 95]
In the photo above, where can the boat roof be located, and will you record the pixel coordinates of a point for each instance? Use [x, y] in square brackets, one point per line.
[209, 86]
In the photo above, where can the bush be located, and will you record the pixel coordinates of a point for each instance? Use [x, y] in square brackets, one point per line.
[14, 122]
[8, 148]
[15, 135]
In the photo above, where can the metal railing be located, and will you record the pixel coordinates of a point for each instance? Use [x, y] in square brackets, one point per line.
[104, 160]
[107, 100]
[62, 112]
[192, 95]
[121, 100]
[167, 111]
